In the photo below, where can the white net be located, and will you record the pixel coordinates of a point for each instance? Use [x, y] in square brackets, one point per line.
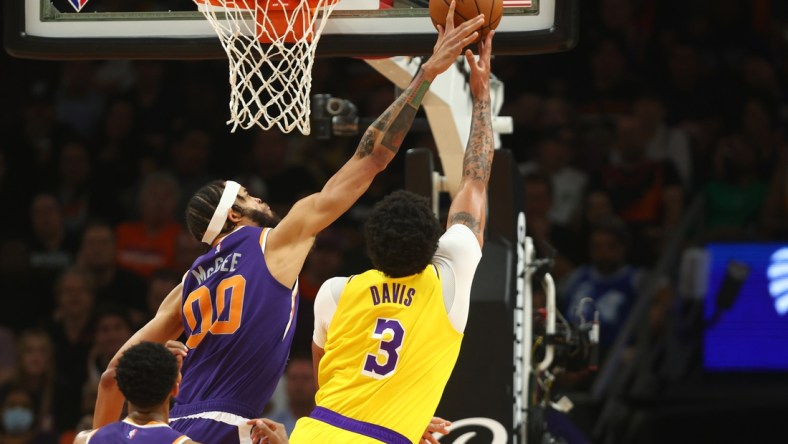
[271, 46]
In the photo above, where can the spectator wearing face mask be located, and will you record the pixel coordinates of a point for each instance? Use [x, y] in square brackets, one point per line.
[20, 423]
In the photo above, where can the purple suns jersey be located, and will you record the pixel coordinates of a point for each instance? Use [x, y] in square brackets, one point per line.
[124, 431]
[239, 324]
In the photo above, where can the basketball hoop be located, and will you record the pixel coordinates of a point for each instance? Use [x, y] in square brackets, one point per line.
[271, 46]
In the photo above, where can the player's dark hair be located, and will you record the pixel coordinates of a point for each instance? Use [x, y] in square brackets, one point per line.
[201, 206]
[146, 374]
[402, 234]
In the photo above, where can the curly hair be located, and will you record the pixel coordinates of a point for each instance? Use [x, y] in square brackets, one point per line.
[146, 374]
[402, 234]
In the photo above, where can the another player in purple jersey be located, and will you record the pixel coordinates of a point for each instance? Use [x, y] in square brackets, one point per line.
[147, 375]
[237, 302]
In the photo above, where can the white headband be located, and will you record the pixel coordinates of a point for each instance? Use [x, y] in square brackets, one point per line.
[231, 190]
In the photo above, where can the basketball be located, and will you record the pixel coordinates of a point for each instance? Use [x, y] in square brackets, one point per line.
[466, 10]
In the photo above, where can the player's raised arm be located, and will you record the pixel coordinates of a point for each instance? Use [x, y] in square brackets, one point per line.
[469, 205]
[377, 148]
[166, 325]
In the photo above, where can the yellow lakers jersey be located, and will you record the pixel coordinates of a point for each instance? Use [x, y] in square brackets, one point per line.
[389, 351]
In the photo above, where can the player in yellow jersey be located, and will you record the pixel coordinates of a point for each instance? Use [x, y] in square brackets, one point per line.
[386, 340]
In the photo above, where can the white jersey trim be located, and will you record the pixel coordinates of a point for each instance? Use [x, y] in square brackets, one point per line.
[145, 426]
[244, 429]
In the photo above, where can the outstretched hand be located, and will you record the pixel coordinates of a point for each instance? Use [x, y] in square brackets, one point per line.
[436, 425]
[265, 431]
[178, 349]
[480, 68]
[450, 42]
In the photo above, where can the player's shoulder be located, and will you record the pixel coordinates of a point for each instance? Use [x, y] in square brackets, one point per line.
[457, 243]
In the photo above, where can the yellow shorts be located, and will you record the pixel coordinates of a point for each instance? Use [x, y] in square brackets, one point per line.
[312, 431]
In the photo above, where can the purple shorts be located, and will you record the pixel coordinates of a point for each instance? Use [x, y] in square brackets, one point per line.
[212, 431]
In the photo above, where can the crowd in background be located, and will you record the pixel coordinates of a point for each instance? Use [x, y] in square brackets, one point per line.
[661, 102]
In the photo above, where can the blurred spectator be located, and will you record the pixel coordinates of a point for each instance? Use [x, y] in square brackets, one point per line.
[549, 237]
[322, 263]
[119, 154]
[52, 248]
[646, 194]
[13, 199]
[39, 134]
[112, 284]
[735, 198]
[687, 90]
[160, 285]
[78, 104]
[568, 183]
[663, 142]
[7, 354]
[598, 207]
[610, 285]
[610, 89]
[89, 395]
[20, 422]
[72, 336]
[300, 390]
[26, 300]
[149, 244]
[112, 329]
[285, 183]
[73, 189]
[190, 153]
[187, 250]
[155, 103]
[758, 118]
[775, 214]
[35, 373]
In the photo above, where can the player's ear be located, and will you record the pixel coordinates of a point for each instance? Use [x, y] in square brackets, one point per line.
[176, 388]
[235, 214]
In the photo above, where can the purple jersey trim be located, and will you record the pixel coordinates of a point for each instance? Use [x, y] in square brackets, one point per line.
[362, 428]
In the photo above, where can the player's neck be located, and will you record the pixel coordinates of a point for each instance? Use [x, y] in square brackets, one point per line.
[144, 416]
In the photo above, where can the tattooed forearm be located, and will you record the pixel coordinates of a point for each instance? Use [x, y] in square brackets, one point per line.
[465, 218]
[366, 145]
[396, 132]
[395, 122]
[478, 154]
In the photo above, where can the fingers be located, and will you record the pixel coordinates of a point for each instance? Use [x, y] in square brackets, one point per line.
[469, 25]
[450, 16]
[178, 349]
[469, 39]
[439, 425]
[429, 439]
[486, 50]
[470, 59]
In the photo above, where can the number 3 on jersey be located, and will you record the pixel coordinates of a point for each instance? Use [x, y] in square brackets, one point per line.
[390, 334]
[210, 318]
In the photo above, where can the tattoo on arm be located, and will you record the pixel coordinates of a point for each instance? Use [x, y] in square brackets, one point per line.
[395, 122]
[366, 145]
[478, 154]
[396, 132]
[465, 218]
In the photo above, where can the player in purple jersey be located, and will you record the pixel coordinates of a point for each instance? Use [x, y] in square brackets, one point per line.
[147, 375]
[236, 304]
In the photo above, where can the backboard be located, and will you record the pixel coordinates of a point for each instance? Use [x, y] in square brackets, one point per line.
[175, 29]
